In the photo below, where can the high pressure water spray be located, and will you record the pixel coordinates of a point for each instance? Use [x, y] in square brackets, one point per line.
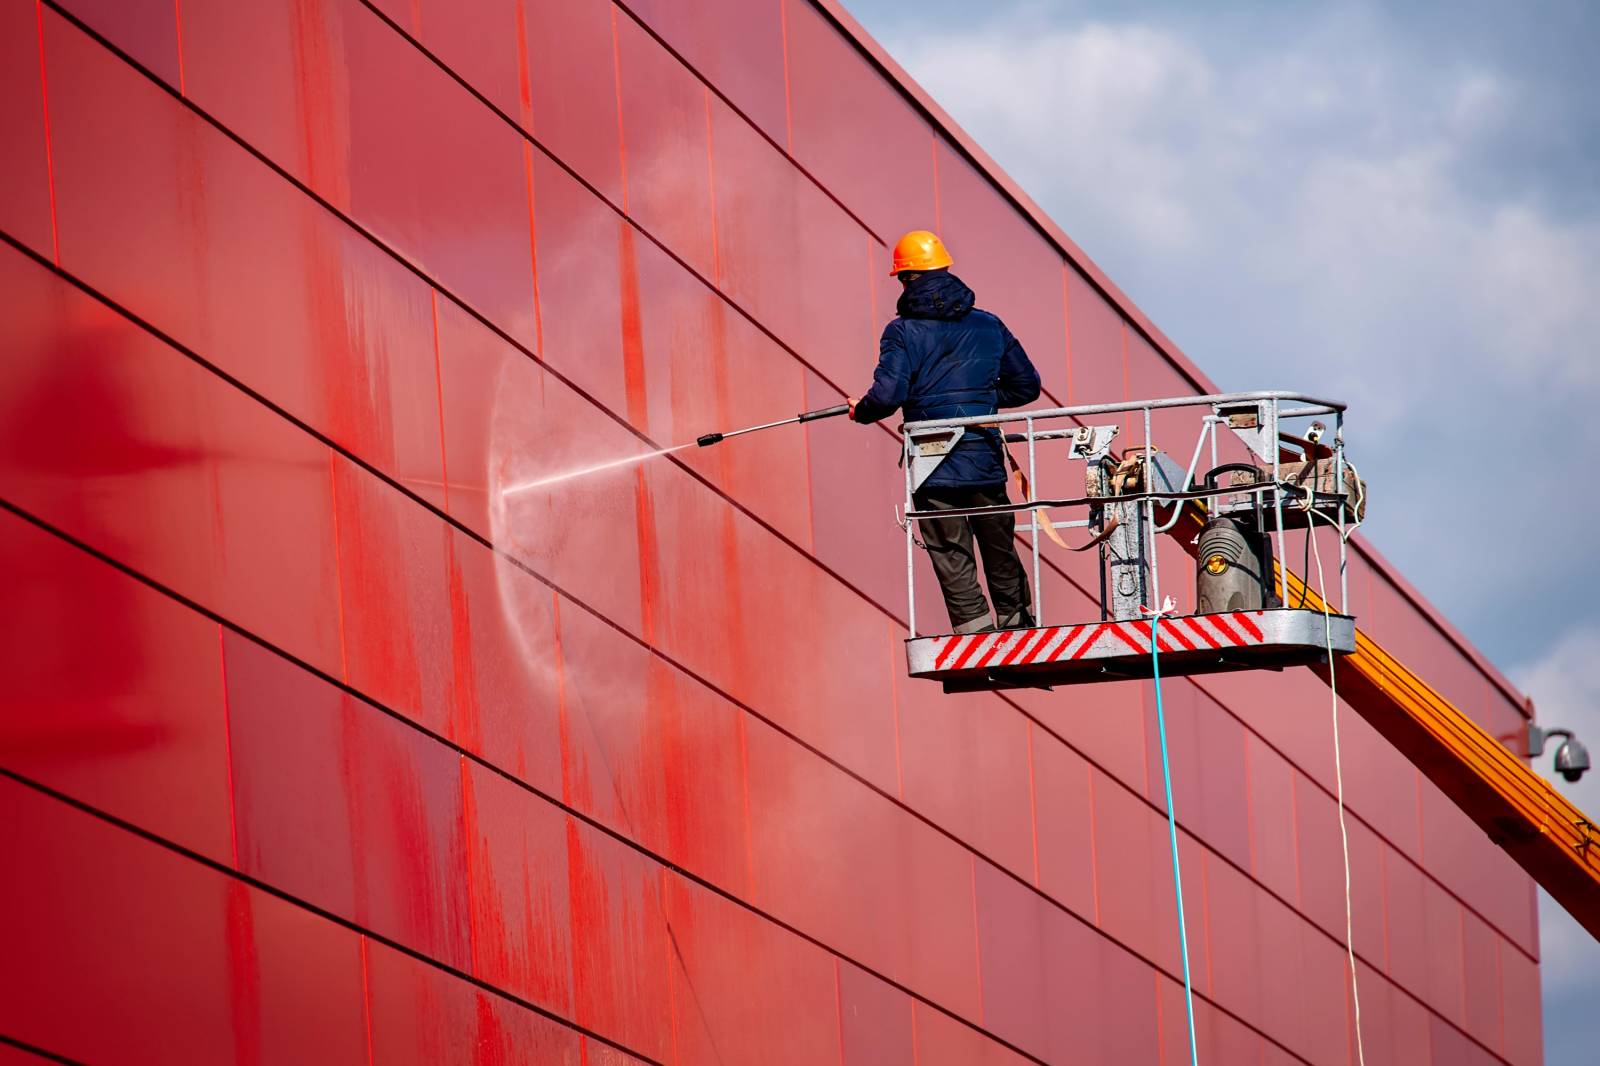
[810, 416]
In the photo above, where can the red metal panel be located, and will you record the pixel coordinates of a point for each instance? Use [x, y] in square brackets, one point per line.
[195, 485]
[521, 923]
[1519, 1005]
[875, 1021]
[941, 1040]
[1098, 355]
[1458, 853]
[25, 196]
[964, 763]
[422, 1016]
[1206, 753]
[583, 533]
[718, 573]
[1230, 903]
[1407, 933]
[791, 1015]
[114, 692]
[505, 683]
[1055, 987]
[666, 126]
[736, 45]
[1394, 623]
[392, 593]
[819, 299]
[1379, 784]
[145, 29]
[705, 367]
[345, 807]
[1480, 971]
[622, 954]
[849, 466]
[433, 174]
[386, 136]
[140, 936]
[1272, 828]
[489, 397]
[167, 217]
[1321, 871]
[1063, 813]
[1013, 269]
[1442, 924]
[1320, 985]
[263, 72]
[1263, 702]
[293, 981]
[1133, 869]
[580, 310]
[1451, 1047]
[1127, 870]
[1218, 1037]
[1167, 951]
[479, 40]
[1394, 1027]
[869, 880]
[855, 133]
[572, 82]
[652, 752]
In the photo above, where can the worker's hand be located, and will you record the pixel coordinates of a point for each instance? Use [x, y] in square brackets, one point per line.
[853, 402]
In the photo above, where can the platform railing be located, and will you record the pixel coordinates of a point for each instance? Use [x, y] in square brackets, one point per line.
[1041, 426]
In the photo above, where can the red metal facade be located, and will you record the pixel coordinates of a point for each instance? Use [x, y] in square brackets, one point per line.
[318, 747]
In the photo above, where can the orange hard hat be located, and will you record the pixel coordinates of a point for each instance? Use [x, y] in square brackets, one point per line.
[919, 250]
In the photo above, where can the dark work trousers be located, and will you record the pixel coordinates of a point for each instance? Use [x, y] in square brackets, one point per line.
[949, 543]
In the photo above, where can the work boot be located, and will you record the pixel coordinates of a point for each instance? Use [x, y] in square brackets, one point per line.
[1021, 620]
[980, 624]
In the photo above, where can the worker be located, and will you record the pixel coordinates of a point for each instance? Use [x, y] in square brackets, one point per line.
[941, 357]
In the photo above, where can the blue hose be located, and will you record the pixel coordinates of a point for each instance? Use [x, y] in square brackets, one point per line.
[1172, 834]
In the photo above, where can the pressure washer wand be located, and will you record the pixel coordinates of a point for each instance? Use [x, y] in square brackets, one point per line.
[810, 416]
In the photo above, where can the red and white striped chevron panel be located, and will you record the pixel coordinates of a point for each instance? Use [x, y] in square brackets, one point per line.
[1090, 640]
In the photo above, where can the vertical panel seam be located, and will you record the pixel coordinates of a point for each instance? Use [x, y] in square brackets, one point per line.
[366, 996]
[616, 81]
[711, 194]
[744, 784]
[977, 939]
[533, 248]
[227, 740]
[788, 97]
[1033, 802]
[438, 385]
[338, 567]
[1066, 322]
[177, 20]
[1094, 847]
[49, 147]
[838, 1006]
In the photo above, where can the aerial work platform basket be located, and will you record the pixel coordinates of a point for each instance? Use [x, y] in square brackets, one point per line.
[1233, 518]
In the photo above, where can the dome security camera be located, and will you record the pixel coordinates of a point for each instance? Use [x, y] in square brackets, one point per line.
[1572, 758]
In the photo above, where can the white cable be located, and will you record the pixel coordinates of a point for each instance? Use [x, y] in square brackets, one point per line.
[1338, 780]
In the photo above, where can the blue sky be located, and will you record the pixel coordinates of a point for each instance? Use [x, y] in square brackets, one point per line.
[1396, 205]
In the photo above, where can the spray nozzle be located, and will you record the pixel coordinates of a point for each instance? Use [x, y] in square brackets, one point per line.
[708, 440]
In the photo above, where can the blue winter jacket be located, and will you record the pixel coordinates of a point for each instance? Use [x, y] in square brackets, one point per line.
[944, 358]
